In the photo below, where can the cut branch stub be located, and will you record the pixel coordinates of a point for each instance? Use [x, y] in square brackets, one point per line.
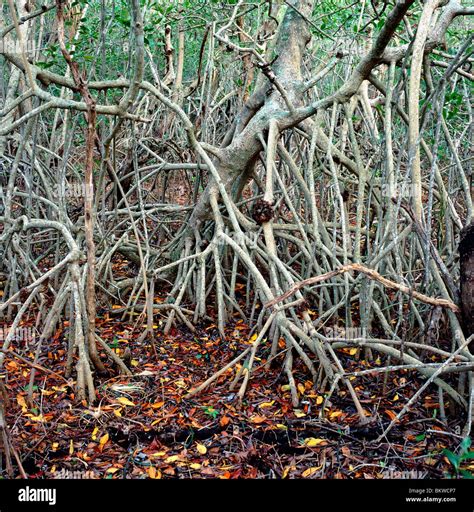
[466, 256]
[262, 212]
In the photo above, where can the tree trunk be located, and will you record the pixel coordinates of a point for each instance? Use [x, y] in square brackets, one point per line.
[237, 158]
[466, 253]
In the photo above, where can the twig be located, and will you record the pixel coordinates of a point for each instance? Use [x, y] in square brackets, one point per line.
[33, 365]
[425, 385]
[371, 274]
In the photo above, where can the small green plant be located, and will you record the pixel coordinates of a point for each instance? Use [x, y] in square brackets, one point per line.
[114, 343]
[210, 411]
[456, 460]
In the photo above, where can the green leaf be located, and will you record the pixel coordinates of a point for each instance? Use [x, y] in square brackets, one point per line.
[45, 65]
[465, 444]
[210, 411]
[452, 457]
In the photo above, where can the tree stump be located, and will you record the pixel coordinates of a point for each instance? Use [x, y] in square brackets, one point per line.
[466, 257]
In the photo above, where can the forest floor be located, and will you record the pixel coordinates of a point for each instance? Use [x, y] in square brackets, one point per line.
[143, 427]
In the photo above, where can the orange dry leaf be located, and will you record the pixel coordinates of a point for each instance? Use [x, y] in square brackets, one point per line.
[125, 401]
[225, 420]
[22, 403]
[310, 471]
[257, 419]
[103, 441]
[390, 414]
[152, 473]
